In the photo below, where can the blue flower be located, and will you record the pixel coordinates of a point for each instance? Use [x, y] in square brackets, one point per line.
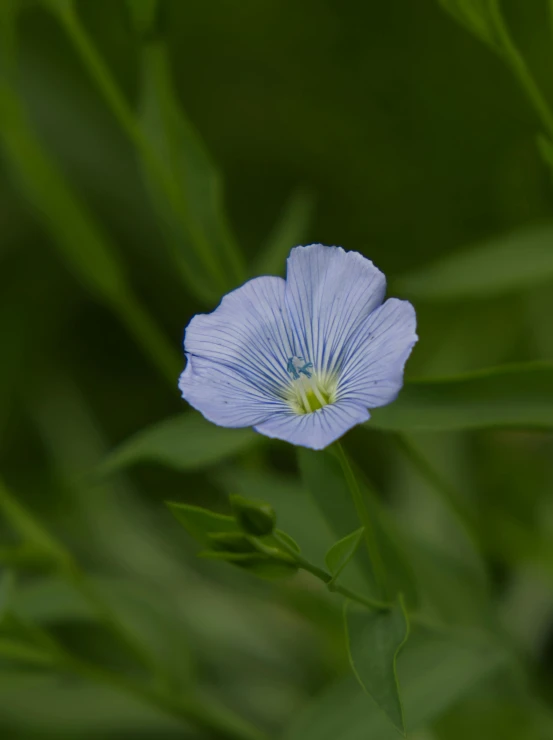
[301, 359]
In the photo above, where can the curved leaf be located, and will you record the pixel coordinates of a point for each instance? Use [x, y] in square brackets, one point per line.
[435, 670]
[184, 183]
[202, 523]
[475, 16]
[504, 264]
[142, 14]
[342, 552]
[508, 396]
[7, 580]
[288, 232]
[183, 442]
[374, 642]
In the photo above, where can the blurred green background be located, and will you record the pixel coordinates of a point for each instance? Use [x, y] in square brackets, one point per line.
[385, 128]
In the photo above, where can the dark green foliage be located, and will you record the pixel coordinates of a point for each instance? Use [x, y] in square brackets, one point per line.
[153, 155]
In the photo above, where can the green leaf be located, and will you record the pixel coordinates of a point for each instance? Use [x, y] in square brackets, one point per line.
[183, 442]
[174, 163]
[504, 264]
[64, 708]
[143, 14]
[290, 541]
[374, 642]
[60, 6]
[224, 540]
[545, 148]
[323, 478]
[25, 641]
[508, 717]
[81, 241]
[24, 653]
[507, 396]
[435, 671]
[148, 612]
[476, 16]
[236, 542]
[288, 232]
[31, 531]
[7, 580]
[201, 523]
[342, 552]
[193, 215]
[50, 600]
[450, 590]
[257, 564]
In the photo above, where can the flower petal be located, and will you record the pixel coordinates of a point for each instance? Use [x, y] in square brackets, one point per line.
[316, 430]
[372, 371]
[329, 294]
[237, 355]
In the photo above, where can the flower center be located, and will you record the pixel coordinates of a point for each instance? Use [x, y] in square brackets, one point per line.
[308, 391]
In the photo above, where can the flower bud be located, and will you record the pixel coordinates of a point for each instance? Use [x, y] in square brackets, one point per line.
[255, 517]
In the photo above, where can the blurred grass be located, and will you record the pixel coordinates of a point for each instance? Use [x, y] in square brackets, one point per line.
[402, 137]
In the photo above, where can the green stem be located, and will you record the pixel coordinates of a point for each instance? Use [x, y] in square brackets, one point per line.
[327, 578]
[365, 520]
[124, 114]
[516, 60]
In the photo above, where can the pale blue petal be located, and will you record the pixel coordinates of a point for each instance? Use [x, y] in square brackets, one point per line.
[223, 396]
[373, 363]
[316, 430]
[237, 355]
[329, 294]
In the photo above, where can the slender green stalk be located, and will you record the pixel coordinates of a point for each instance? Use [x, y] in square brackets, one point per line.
[520, 68]
[124, 114]
[327, 578]
[365, 520]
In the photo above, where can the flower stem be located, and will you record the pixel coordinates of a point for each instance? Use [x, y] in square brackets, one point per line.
[379, 571]
[327, 578]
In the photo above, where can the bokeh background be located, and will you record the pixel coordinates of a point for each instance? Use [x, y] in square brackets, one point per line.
[386, 128]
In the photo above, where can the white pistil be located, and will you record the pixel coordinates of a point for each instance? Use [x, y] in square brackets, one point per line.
[314, 387]
[299, 385]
